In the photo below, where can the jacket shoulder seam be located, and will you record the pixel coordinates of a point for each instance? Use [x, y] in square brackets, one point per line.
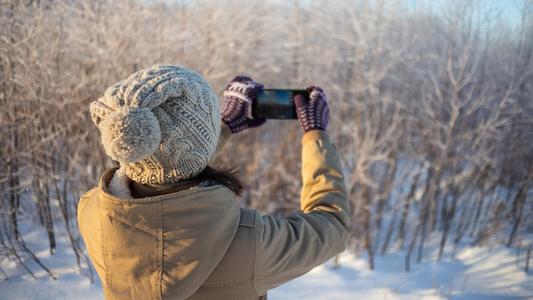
[254, 253]
[247, 218]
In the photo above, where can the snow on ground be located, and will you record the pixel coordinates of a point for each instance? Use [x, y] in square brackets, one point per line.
[475, 273]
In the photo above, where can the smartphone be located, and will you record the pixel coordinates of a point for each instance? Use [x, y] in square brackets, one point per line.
[277, 103]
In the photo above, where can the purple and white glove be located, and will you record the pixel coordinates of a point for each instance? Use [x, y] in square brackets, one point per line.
[237, 108]
[313, 114]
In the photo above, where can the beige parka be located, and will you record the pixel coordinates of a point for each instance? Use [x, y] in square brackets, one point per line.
[200, 244]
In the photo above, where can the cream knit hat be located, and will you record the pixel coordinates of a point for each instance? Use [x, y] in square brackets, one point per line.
[161, 124]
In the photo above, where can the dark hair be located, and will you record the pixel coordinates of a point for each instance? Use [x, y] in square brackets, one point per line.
[225, 177]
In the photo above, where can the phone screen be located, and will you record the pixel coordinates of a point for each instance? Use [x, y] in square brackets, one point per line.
[277, 104]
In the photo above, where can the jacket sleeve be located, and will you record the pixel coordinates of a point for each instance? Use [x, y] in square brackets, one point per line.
[289, 247]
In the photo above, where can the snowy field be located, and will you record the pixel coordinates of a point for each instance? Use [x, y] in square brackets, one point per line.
[474, 273]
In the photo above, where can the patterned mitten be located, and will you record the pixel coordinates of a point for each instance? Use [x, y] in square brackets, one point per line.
[237, 108]
[313, 114]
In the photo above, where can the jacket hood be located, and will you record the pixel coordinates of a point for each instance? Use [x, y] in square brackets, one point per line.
[168, 244]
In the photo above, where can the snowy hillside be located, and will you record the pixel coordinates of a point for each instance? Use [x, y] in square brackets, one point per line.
[430, 102]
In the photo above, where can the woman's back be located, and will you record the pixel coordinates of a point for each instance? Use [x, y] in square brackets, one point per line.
[198, 243]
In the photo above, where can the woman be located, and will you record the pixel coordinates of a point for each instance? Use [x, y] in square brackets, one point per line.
[167, 226]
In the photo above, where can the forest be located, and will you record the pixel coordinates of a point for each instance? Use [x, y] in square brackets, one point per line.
[432, 111]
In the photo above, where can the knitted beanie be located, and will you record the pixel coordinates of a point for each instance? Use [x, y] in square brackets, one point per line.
[161, 124]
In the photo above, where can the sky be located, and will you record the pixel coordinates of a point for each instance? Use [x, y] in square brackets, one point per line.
[510, 9]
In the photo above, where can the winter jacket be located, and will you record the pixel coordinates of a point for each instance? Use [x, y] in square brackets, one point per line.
[200, 244]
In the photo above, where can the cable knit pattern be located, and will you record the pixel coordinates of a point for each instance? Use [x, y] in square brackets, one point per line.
[237, 107]
[162, 124]
[314, 114]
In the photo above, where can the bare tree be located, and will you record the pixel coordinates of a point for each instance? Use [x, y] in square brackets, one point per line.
[431, 112]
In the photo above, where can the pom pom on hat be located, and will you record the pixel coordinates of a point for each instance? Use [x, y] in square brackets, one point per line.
[130, 134]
